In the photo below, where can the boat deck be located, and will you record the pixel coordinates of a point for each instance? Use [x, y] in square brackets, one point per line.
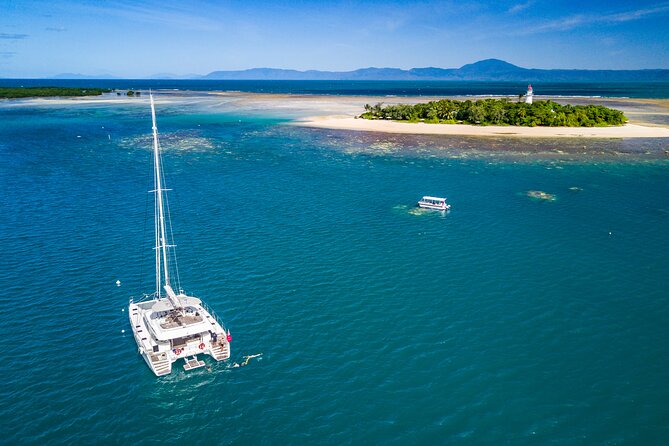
[178, 320]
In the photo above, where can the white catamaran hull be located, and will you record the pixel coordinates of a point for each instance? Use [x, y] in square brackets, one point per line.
[161, 354]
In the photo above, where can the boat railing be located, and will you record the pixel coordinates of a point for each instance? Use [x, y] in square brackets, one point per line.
[142, 298]
[213, 314]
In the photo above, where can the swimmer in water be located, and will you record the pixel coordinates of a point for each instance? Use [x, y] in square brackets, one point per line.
[248, 358]
[245, 362]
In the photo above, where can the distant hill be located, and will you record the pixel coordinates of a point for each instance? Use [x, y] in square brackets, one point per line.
[82, 76]
[169, 76]
[484, 70]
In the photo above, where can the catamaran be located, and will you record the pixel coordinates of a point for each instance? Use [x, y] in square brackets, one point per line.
[169, 326]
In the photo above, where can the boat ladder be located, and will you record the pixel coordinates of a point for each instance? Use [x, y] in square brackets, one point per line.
[193, 363]
[220, 352]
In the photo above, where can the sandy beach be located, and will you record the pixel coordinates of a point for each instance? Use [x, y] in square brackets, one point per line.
[352, 123]
[648, 119]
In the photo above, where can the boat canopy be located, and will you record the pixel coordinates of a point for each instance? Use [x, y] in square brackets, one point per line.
[189, 300]
[434, 198]
[161, 305]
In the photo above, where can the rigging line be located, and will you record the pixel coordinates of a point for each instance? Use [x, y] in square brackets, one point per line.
[187, 235]
[157, 194]
[172, 242]
[143, 255]
[172, 250]
[156, 232]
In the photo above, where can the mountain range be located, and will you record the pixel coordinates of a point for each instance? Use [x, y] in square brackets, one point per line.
[484, 70]
[83, 76]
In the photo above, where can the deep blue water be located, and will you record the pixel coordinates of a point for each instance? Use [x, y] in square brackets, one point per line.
[506, 321]
[370, 88]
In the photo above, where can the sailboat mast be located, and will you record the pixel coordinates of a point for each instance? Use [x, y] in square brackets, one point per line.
[160, 220]
[156, 245]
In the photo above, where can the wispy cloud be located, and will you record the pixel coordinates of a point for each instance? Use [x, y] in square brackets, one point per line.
[173, 16]
[9, 36]
[638, 14]
[519, 7]
[581, 20]
[7, 54]
[56, 29]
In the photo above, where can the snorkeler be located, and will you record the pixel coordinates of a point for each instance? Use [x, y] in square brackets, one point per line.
[245, 362]
[248, 358]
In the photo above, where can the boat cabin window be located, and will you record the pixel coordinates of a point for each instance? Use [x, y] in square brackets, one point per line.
[180, 342]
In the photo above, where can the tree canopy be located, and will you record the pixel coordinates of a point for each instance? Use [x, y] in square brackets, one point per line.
[498, 112]
[33, 92]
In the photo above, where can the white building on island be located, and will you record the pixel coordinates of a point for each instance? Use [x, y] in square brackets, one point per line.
[528, 95]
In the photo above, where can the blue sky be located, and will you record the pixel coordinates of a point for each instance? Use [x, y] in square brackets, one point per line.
[135, 39]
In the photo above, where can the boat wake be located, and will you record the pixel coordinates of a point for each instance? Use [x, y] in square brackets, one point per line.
[416, 211]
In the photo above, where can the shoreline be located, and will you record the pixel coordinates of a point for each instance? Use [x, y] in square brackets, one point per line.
[649, 118]
[421, 128]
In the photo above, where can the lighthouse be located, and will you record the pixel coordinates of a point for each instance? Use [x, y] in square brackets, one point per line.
[528, 95]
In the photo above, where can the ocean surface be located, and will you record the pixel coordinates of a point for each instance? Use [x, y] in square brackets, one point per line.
[370, 88]
[509, 320]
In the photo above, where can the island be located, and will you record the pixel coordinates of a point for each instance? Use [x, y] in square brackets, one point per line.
[41, 92]
[498, 112]
[499, 117]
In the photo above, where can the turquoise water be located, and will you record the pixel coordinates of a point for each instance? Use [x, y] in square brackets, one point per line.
[370, 88]
[507, 321]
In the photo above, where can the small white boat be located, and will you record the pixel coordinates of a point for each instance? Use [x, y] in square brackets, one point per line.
[435, 203]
